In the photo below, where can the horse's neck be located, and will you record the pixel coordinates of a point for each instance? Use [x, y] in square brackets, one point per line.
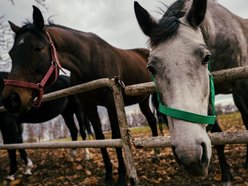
[88, 57]
[74, 49]
[225, 36]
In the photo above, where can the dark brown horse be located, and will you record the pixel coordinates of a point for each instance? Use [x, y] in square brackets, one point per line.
[88, 57]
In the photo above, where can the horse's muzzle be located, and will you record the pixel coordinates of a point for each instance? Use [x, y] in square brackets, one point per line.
[193, 161]
[16, 101]
[13, 102]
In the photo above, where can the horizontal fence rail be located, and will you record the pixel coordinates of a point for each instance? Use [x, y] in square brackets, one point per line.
[219, 76]
[230, 74]
[100, 83]
[70, 144]
[219, 138]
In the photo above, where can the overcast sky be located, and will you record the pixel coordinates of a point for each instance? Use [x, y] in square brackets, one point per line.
[113, 20]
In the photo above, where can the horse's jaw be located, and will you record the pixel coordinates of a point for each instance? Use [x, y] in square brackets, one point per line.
[191, 147]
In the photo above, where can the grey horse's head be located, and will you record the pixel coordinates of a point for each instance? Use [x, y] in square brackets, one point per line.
[179, 61]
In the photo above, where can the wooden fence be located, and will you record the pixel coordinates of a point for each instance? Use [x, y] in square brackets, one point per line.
[126, 139]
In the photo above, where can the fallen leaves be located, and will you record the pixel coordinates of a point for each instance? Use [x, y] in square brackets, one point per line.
[217, 177]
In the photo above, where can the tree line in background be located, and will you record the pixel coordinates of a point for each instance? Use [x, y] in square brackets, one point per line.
[222, 109]
[56, 128]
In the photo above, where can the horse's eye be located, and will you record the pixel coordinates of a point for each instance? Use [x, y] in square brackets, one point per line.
[151, 69]
[38, 48]
[206, 59]
[153, 64]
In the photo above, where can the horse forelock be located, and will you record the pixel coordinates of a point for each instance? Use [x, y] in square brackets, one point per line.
[168, 25]
[28, 27]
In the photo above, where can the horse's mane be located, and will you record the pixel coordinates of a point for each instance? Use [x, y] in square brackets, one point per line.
[30, 27]
[168, 25]
[52, 24]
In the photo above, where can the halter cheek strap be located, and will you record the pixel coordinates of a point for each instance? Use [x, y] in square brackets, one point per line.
[54, 68]
[189, 116]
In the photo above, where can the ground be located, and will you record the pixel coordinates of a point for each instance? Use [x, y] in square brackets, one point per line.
[54, 167]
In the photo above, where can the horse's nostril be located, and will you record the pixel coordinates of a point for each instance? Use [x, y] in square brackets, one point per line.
[186, 159]
[204, 158]
[13, 102]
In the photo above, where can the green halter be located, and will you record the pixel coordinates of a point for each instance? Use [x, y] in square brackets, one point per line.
[189, 116]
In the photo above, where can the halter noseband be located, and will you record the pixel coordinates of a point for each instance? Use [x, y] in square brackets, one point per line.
[54, 68]
[189, 116]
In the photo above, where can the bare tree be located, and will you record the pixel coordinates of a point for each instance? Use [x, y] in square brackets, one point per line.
[5, 43]
[6, 38]
[31, 133]
[41, 131]
[55, 129]
[64, 132]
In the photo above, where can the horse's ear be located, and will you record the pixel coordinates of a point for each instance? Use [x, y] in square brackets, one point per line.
[14, 27]
[197, 12]
[38, 18]
[146, 21]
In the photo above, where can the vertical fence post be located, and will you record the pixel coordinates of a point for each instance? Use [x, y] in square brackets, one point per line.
[127, 148]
